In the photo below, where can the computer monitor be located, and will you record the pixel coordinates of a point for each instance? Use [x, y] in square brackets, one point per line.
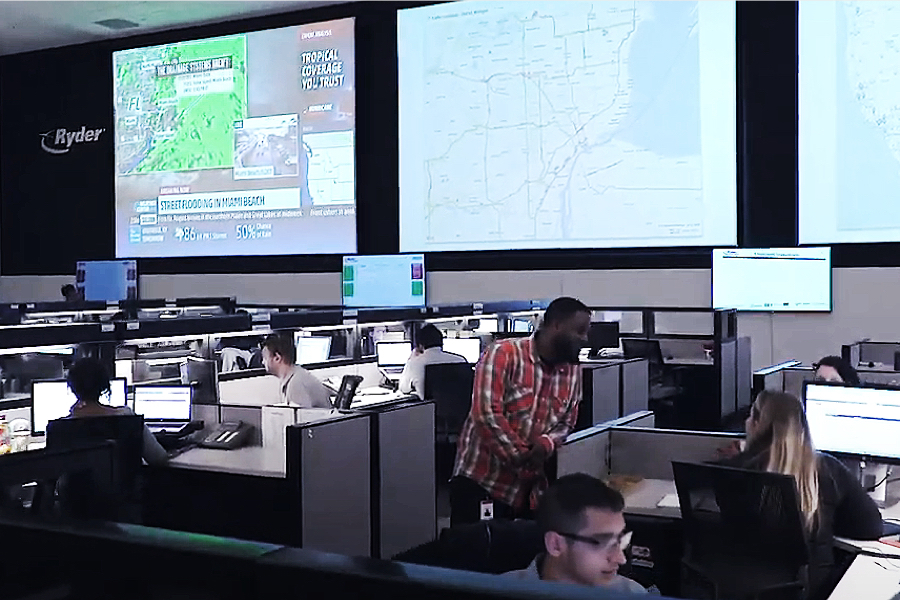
[392, 354]
[487, 326]
[603, 335]
[52, 399]
[521, 326]
[468, 348]
[312, 349]
[861, 421]
[107, 280]
[163, 403]
[642, 348]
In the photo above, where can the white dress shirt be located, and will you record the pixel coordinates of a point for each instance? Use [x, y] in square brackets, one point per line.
[412, 380]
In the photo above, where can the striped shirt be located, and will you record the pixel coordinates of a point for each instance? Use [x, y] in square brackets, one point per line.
[518, 400]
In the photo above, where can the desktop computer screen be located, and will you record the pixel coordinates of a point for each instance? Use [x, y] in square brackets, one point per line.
[604, 335]
[522, 326]
[107, 280]
[312, 349]
[468, 348]
[163, 402]
[52, 399]
[393, 354]
[861, 421]
[487, 326]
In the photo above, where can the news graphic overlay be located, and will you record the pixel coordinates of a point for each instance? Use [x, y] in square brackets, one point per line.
[237, 145]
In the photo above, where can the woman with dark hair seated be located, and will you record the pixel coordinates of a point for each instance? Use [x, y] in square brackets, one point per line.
[836, 369]
[89, 380]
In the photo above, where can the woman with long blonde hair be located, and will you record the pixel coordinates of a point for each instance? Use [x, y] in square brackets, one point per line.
[831, 499]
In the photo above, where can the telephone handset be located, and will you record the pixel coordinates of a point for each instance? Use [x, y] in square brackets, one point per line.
[227, 436]
[348, 389]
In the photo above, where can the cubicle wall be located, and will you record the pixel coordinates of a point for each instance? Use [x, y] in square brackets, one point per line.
[743, 373]
[404, 499]
[795, 376]
[649, 453]
[328, 463]
[635, 386]
[587, 451]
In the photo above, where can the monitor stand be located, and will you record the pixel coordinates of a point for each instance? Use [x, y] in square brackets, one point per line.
[875, 475]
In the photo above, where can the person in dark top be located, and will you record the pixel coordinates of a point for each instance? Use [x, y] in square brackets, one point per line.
[836, 369]
[831, 499]
[71, 293]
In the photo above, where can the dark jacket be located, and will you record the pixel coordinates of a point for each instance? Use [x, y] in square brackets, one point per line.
[845, 510]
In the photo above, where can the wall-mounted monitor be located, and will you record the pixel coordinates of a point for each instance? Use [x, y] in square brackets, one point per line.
[849, 150]
[567, 125]
[377, 281]
[237, 145]
[107, 280]
[772, 279]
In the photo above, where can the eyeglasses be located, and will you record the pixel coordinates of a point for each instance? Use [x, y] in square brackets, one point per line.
[605, 543]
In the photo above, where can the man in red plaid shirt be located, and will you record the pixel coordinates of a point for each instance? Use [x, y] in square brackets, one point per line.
[524, 404]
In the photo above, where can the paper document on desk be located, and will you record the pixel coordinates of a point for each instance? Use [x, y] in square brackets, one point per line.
[669, 501]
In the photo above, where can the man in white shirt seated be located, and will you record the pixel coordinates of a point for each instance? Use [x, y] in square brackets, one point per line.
[299, 387]
[429, 351]
[584, 536]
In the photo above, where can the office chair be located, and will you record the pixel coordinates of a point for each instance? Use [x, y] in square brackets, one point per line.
[79, 497]
[744, 532]
[449, 385]
[663, 391]
[494, 546]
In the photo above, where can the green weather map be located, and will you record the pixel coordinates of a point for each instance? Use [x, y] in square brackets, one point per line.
[176, 105]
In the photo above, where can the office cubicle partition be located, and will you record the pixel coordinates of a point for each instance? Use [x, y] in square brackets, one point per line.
[404, 498]
[329, 473]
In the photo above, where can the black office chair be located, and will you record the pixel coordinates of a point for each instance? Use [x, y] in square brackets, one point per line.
[495, 546]
[255, 360]
[664, 390]
[79, 497]
[744, 533]
[449, 385]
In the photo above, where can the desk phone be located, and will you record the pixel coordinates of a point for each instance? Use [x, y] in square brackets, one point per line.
[227, 436]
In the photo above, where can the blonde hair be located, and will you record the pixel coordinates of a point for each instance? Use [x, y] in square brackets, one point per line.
[780, 421]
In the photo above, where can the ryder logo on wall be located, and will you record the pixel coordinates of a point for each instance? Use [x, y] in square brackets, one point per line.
[60, 141]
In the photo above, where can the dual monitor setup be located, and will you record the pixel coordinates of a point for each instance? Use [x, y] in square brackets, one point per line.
[164, 407]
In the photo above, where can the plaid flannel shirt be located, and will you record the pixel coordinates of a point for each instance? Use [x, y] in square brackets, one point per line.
[518, 400]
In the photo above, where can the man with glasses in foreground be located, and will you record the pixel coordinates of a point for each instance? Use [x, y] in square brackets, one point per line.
[584, 535]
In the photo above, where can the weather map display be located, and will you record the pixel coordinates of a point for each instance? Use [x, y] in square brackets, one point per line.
[237, 145]
[848, 122]
[560, 124]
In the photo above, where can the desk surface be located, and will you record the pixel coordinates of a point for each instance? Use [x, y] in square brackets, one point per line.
[869, 578]
[689, 362]
[253, 460]
[643, 498]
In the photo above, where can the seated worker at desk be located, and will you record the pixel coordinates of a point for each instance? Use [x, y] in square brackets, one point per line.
[429, 351]
[71, 293]
[831, 499]
[524, 405]
[836, 369]
[89, 380]
[584, 533]
[299, 387]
